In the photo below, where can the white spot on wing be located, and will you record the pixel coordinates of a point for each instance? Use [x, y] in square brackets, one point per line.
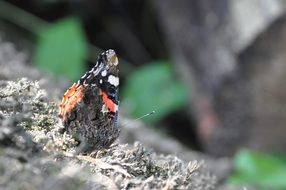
[104, 109]
[98, 69]
[116, 107]
[104, 73]
[83, 76]
[113, 80]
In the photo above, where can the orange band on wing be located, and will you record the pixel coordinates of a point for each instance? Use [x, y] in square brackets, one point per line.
[109, 103]
[71, 98]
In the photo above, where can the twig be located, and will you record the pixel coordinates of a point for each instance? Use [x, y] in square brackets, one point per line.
[99, 163]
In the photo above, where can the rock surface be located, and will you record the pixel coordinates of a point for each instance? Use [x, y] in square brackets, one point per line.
[35, 155]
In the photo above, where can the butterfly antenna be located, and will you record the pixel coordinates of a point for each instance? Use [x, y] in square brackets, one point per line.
[141, 117]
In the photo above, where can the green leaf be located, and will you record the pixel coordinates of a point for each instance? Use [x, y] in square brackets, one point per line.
[62, 49]
[262, 170]
[153, 87]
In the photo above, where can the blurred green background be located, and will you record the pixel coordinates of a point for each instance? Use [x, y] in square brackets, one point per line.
[212, 71]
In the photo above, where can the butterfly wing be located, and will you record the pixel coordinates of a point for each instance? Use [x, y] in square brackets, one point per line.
[89, 109]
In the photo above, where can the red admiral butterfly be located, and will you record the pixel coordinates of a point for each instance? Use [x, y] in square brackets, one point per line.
[89, 109]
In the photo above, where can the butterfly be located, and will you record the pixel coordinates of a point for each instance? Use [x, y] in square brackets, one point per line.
[89, 108]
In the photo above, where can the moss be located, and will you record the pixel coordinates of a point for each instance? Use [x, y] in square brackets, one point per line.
[37, 155]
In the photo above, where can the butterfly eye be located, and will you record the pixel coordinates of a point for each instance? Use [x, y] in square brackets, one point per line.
[114, 60]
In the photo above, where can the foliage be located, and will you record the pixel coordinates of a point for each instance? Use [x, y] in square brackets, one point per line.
[262, 170]
[153, 87]
[61, 48]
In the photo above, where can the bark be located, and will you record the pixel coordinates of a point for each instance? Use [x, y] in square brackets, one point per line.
[199, 37]
[236, 98]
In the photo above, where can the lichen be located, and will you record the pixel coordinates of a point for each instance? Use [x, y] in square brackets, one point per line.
[35, 153]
